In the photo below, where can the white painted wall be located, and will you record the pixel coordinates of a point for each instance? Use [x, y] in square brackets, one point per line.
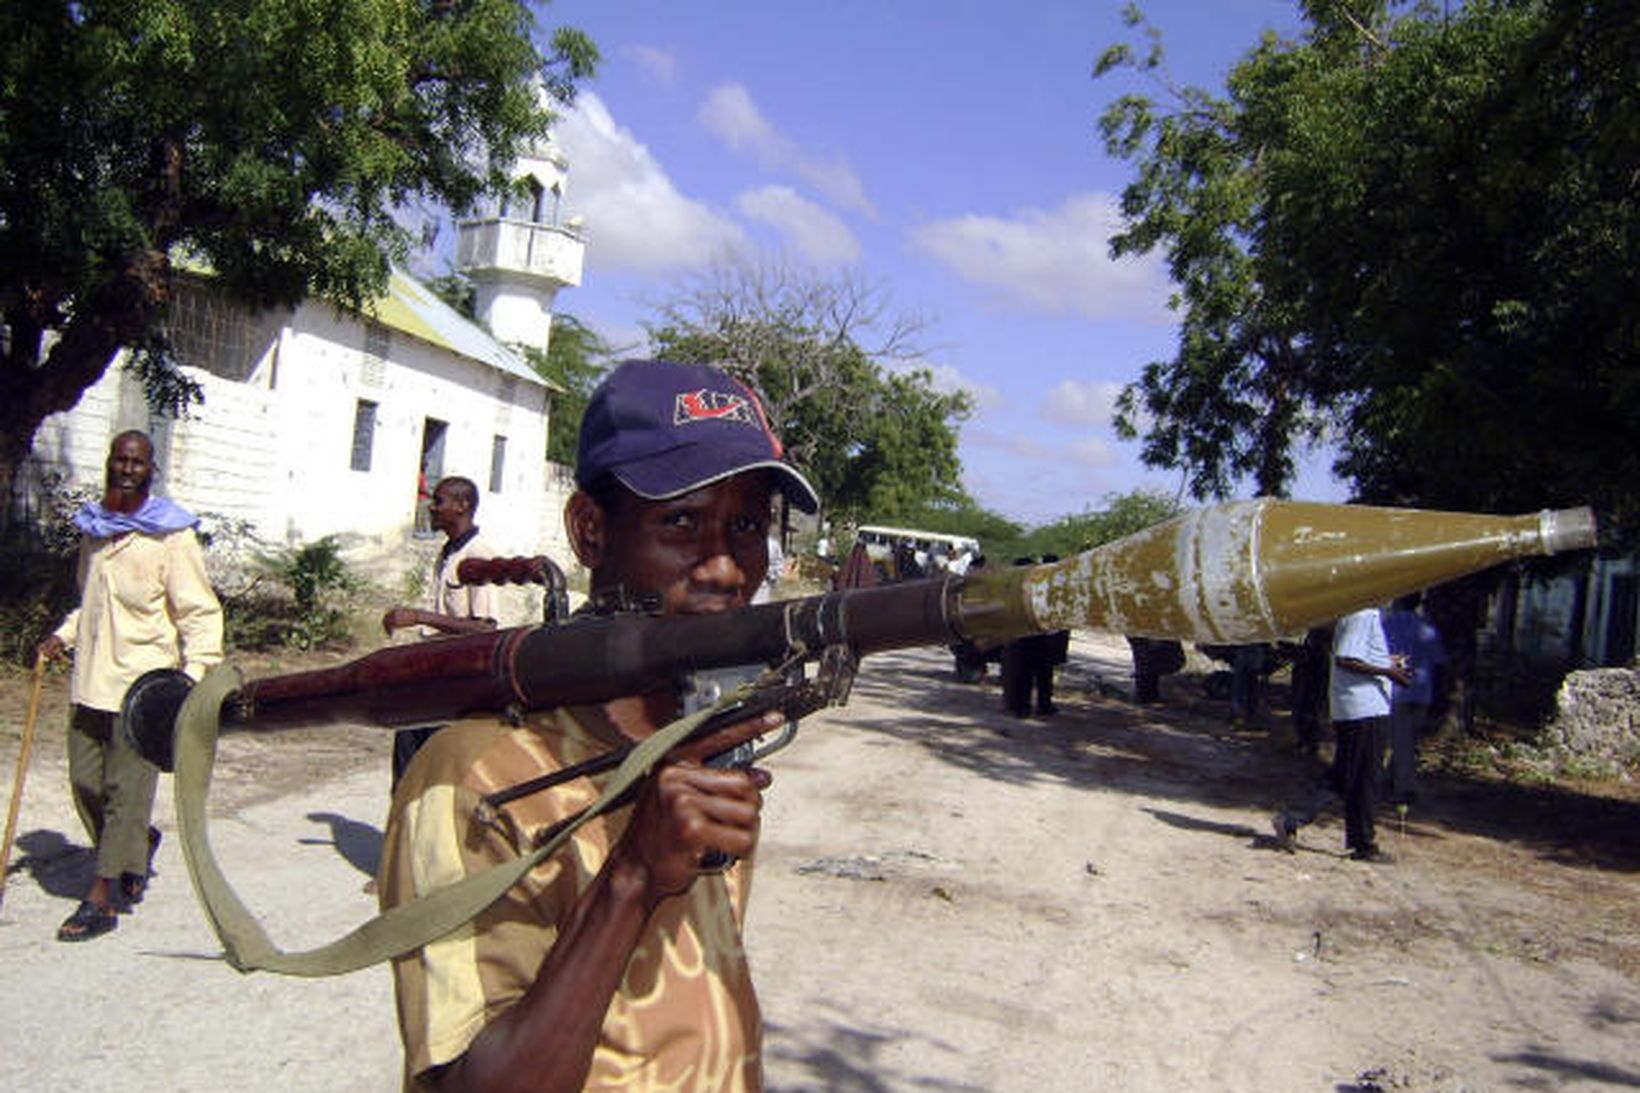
[275, 447]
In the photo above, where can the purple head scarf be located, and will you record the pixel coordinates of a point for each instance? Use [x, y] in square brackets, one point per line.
[156, 516]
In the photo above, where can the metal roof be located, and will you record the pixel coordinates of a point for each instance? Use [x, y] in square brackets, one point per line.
[412, 308]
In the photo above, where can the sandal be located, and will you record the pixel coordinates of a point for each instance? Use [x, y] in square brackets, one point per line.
[88, 921]
[133, 886]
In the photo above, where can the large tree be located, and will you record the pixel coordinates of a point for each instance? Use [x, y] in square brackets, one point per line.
[1415, 228]
[1123, 514]
[576, 359]
[273, 141]
[837, 374]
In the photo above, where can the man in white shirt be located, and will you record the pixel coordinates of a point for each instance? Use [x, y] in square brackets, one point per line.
[1359, 701]
[453, 607]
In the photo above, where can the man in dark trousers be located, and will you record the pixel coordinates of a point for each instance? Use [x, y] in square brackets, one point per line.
[145, 603]
[1416, 640]
[1309, 687]
[1359, 696]
[1028, 665]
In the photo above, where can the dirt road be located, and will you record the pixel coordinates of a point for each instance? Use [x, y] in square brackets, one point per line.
[946, 898]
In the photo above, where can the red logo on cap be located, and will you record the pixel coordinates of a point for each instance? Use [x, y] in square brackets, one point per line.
[704, 405]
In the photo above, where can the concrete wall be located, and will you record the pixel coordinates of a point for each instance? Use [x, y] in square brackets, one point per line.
[273, 444]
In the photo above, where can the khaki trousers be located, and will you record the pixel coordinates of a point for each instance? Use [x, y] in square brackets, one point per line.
[113, 792]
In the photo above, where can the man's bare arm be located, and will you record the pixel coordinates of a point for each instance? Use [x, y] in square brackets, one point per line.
[1397, 671]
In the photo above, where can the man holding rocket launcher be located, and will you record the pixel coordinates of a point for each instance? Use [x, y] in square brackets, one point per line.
[1235, 573]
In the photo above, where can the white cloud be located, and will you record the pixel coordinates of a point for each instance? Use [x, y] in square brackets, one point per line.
[1074, 402]
[1053, 260]
[1094, 451]
[636, 220]
[948, 379]
[730, 114]
[657, 63]
[1012, 443]
[815, 234]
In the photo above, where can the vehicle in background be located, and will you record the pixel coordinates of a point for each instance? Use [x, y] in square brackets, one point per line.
[904, 553]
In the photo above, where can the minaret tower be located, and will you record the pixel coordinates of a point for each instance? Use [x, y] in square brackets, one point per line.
[520, 253]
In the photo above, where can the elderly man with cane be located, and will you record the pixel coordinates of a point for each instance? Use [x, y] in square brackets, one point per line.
[145, 603]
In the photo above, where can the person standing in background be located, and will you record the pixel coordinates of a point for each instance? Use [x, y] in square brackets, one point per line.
[1249, 666]
[1309, 689]
[1415, 639]
[1359, 699]
[453, 607]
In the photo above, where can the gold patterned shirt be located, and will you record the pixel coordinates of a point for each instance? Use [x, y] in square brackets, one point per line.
[685, 1016]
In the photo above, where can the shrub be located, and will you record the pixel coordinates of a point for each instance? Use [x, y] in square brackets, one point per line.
[321, 586]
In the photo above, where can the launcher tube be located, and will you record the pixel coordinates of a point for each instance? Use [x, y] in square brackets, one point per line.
[1240, 572]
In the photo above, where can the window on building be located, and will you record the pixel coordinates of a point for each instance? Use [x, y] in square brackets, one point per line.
[378, 346]
[364, 434]
[206, 331]
[498, 462]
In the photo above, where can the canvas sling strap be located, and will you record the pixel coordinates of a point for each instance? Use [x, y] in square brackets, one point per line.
[247, 946]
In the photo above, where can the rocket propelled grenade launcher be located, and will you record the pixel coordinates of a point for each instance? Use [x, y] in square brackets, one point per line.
[1245, 572]
[1234, 573]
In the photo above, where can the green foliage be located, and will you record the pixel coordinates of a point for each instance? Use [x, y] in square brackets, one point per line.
[1123, 515]
[255, 613]
[321, 586]
[275, 141]
[273, 597]
[576, 359]
[166, 388]
[1415, 231]
[457, 291]
[838, 380]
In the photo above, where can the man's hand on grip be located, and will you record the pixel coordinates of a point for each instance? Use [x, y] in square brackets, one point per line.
[685, 810]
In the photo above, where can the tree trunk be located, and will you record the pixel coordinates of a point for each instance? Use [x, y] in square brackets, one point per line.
[115, 315]
[1458, 610]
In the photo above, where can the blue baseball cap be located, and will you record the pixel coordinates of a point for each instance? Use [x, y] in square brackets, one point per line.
[665, 429]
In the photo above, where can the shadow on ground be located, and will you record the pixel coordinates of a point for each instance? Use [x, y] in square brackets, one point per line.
[359, 843]
[837, 1055]
[60, 867]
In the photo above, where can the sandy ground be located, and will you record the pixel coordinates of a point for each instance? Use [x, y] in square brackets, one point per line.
[946, 898]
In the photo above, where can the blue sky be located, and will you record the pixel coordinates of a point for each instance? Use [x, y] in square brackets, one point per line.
[945, 152]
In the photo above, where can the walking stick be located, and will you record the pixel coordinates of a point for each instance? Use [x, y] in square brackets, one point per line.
[22, 769]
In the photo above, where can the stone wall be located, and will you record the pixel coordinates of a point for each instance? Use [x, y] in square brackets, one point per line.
[1597, 713]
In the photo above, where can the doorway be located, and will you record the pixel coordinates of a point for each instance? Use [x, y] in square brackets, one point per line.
[430, 469]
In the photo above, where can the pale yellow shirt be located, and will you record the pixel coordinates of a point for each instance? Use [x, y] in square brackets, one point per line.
[145, 603]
